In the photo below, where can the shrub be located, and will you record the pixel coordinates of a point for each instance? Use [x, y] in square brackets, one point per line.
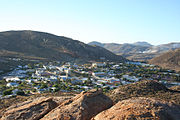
[20, 92]
[7, 92]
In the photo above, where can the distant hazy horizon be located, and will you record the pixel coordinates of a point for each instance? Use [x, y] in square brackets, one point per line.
[115, 21]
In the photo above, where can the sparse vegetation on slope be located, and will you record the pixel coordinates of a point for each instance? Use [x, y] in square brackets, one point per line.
[48, 46]
[169, 60]
[145, 88]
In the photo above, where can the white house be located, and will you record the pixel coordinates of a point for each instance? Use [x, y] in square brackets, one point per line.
[12, 84]
[98, 64]
[98, 74]
[30, 80]
[113, 80]
[76, 81]
[102, 81]
[39, 71]
[64, 77]
[14, 92]
[132, 78]
[11, 78]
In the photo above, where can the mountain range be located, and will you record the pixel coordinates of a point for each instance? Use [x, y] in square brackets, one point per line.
[41, 45]
[34, 45]
[138, 50]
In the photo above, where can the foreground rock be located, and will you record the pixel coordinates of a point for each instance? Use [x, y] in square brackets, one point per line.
[32, 109]
[141, 109]
[82, 107]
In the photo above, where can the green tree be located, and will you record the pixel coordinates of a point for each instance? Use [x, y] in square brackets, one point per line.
[28, 92]
[20, 92]
[41, 65]
[43, 85]
[33, 90]
[30, 66]
[7, 92]
[55, 85]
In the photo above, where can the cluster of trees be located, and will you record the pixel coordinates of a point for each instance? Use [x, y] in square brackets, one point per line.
[9, 92]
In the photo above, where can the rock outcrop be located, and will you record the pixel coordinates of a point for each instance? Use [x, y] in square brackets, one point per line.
[143, 88]
[175, 88]
[154, 105]
[141, 109]
[82, 107]
[32, 109]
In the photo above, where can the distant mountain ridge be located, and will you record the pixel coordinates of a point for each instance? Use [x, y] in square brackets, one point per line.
[48, 46]
[138, 50]
[123, 48]
[142, 43]
[163, 48]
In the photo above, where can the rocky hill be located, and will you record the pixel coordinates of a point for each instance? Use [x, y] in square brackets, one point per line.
[169, 60]
[141, 109]
[40, 45]
[163, 48]
[146, 88]
[138, 50]
[142, 100]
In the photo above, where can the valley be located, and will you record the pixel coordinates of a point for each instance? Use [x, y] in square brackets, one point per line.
[55, 75]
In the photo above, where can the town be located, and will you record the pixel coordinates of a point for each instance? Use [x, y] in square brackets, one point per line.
[67, 77]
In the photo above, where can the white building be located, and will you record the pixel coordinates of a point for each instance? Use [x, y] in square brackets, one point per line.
[12, 84]
[98, 74]
[113, 80]
[98, 64]
[39, 71]
[131, 78]
[11, 78]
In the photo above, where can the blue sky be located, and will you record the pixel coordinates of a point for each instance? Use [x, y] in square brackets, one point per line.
[118, 21]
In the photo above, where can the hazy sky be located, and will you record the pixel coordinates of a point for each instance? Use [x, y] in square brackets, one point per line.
[120, 21]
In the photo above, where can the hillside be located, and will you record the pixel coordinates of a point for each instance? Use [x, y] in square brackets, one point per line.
[168, 60]
[163, 48]
[146, 88]
[137, 51]
[40, 45]
[123, 48]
